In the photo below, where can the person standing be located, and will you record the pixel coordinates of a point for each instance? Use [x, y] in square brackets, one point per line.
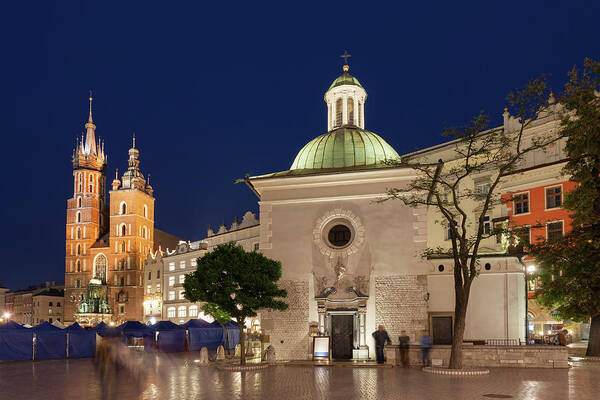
[425, 348]
[381, 338]
[404, 345]
[562, 337]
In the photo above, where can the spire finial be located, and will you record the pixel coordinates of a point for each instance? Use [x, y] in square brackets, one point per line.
[117, 174]
[346, 56]
[90, 116]
[148, 178]
[133, 140]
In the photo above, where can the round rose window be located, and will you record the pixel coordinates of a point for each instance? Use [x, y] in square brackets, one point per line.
[339, 235]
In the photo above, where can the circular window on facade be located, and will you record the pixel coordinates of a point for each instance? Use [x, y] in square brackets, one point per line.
[339, 235]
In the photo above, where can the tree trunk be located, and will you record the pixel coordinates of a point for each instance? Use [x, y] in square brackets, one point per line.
[242, 345]
[226, 338]
[460, 312]
[593, 349]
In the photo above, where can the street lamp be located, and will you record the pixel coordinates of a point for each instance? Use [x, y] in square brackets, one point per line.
[7, 316]
[531, 268]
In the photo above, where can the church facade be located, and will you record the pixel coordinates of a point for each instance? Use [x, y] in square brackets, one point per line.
[107, 238]
[351, 263]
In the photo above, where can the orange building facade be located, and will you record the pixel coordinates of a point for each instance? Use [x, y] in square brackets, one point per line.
[107, 239]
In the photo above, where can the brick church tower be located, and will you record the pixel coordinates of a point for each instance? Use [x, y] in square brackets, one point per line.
[106, 242]
[87, 215]
[131, 238]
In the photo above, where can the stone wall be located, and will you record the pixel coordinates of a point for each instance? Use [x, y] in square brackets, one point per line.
[288, 330]
[400, 304]
[490, 356]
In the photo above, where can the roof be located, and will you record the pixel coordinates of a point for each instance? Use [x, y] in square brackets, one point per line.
[164, 240]
[345, 79]
[345, 147]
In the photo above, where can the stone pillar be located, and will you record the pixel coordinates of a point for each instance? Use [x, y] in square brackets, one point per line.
[333, 112]
[345, 110]
[355, 116]
[329, 124]
[362, 327]
[362, 115]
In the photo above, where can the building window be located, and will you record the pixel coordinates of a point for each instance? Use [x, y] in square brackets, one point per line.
[78, 249]
[182, 311]
[78, 219]
[122, 281]
[524, 235]
[171, 266]
[145, 211]
[158, 288]
[50, 305]
[123, 230]
[449, 231]
[171, 312]
[182, 264]
[78, 266]
[482, 189]
[487, 225]
[171, 281]
[79, 202]
[58, 304]
[521, 203]
[256, 246]
[121, 309]
[553, 197]
[194, 262]
[193, 311]
[182, 295]
[123, 244]
[555, 230]
[123, 208]
[149, 275]
[171, 295]
[78, 283]
[181, 278]
[149, 289]
[158, 274]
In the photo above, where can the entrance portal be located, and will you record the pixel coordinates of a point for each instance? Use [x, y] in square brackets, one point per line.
[342, 331]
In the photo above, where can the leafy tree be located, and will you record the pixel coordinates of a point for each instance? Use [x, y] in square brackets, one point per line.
[447, 187]
[569, 279]
[569, 269]
[221, 316]
[237, 282]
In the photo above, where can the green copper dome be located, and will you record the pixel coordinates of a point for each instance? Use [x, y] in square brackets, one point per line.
[345, 147]
[345, 79]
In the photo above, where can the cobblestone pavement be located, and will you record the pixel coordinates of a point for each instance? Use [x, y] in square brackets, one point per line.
[178, 377]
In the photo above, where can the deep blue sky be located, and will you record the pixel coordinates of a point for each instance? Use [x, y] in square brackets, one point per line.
[215, 90]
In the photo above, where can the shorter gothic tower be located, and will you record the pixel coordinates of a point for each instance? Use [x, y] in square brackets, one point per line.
[131, 238]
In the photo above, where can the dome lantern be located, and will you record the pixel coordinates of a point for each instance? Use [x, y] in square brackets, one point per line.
[345, 100]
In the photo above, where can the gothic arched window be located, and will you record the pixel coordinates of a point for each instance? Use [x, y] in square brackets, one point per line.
[78, 249]
[145, 211]
[78, 216]
[123, 208]
[79, 202]
[78, 266]
[78, 233]
[123, 246]
[123, 230]
[100, 267]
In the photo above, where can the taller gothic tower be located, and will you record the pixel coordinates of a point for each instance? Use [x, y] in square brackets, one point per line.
[87, 214]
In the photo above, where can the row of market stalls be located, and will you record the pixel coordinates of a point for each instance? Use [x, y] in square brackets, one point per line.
[46, 341]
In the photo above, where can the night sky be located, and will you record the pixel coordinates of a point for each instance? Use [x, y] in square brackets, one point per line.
[215, 90]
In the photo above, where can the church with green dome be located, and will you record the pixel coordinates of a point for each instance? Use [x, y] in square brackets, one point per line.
[350, 262]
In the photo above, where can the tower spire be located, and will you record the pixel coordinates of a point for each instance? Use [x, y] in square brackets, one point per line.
[90, 138]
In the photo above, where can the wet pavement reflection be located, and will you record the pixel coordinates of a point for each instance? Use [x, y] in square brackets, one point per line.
[163, 376]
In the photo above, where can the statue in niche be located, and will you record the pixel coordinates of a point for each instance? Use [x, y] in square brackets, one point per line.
[340, 270]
